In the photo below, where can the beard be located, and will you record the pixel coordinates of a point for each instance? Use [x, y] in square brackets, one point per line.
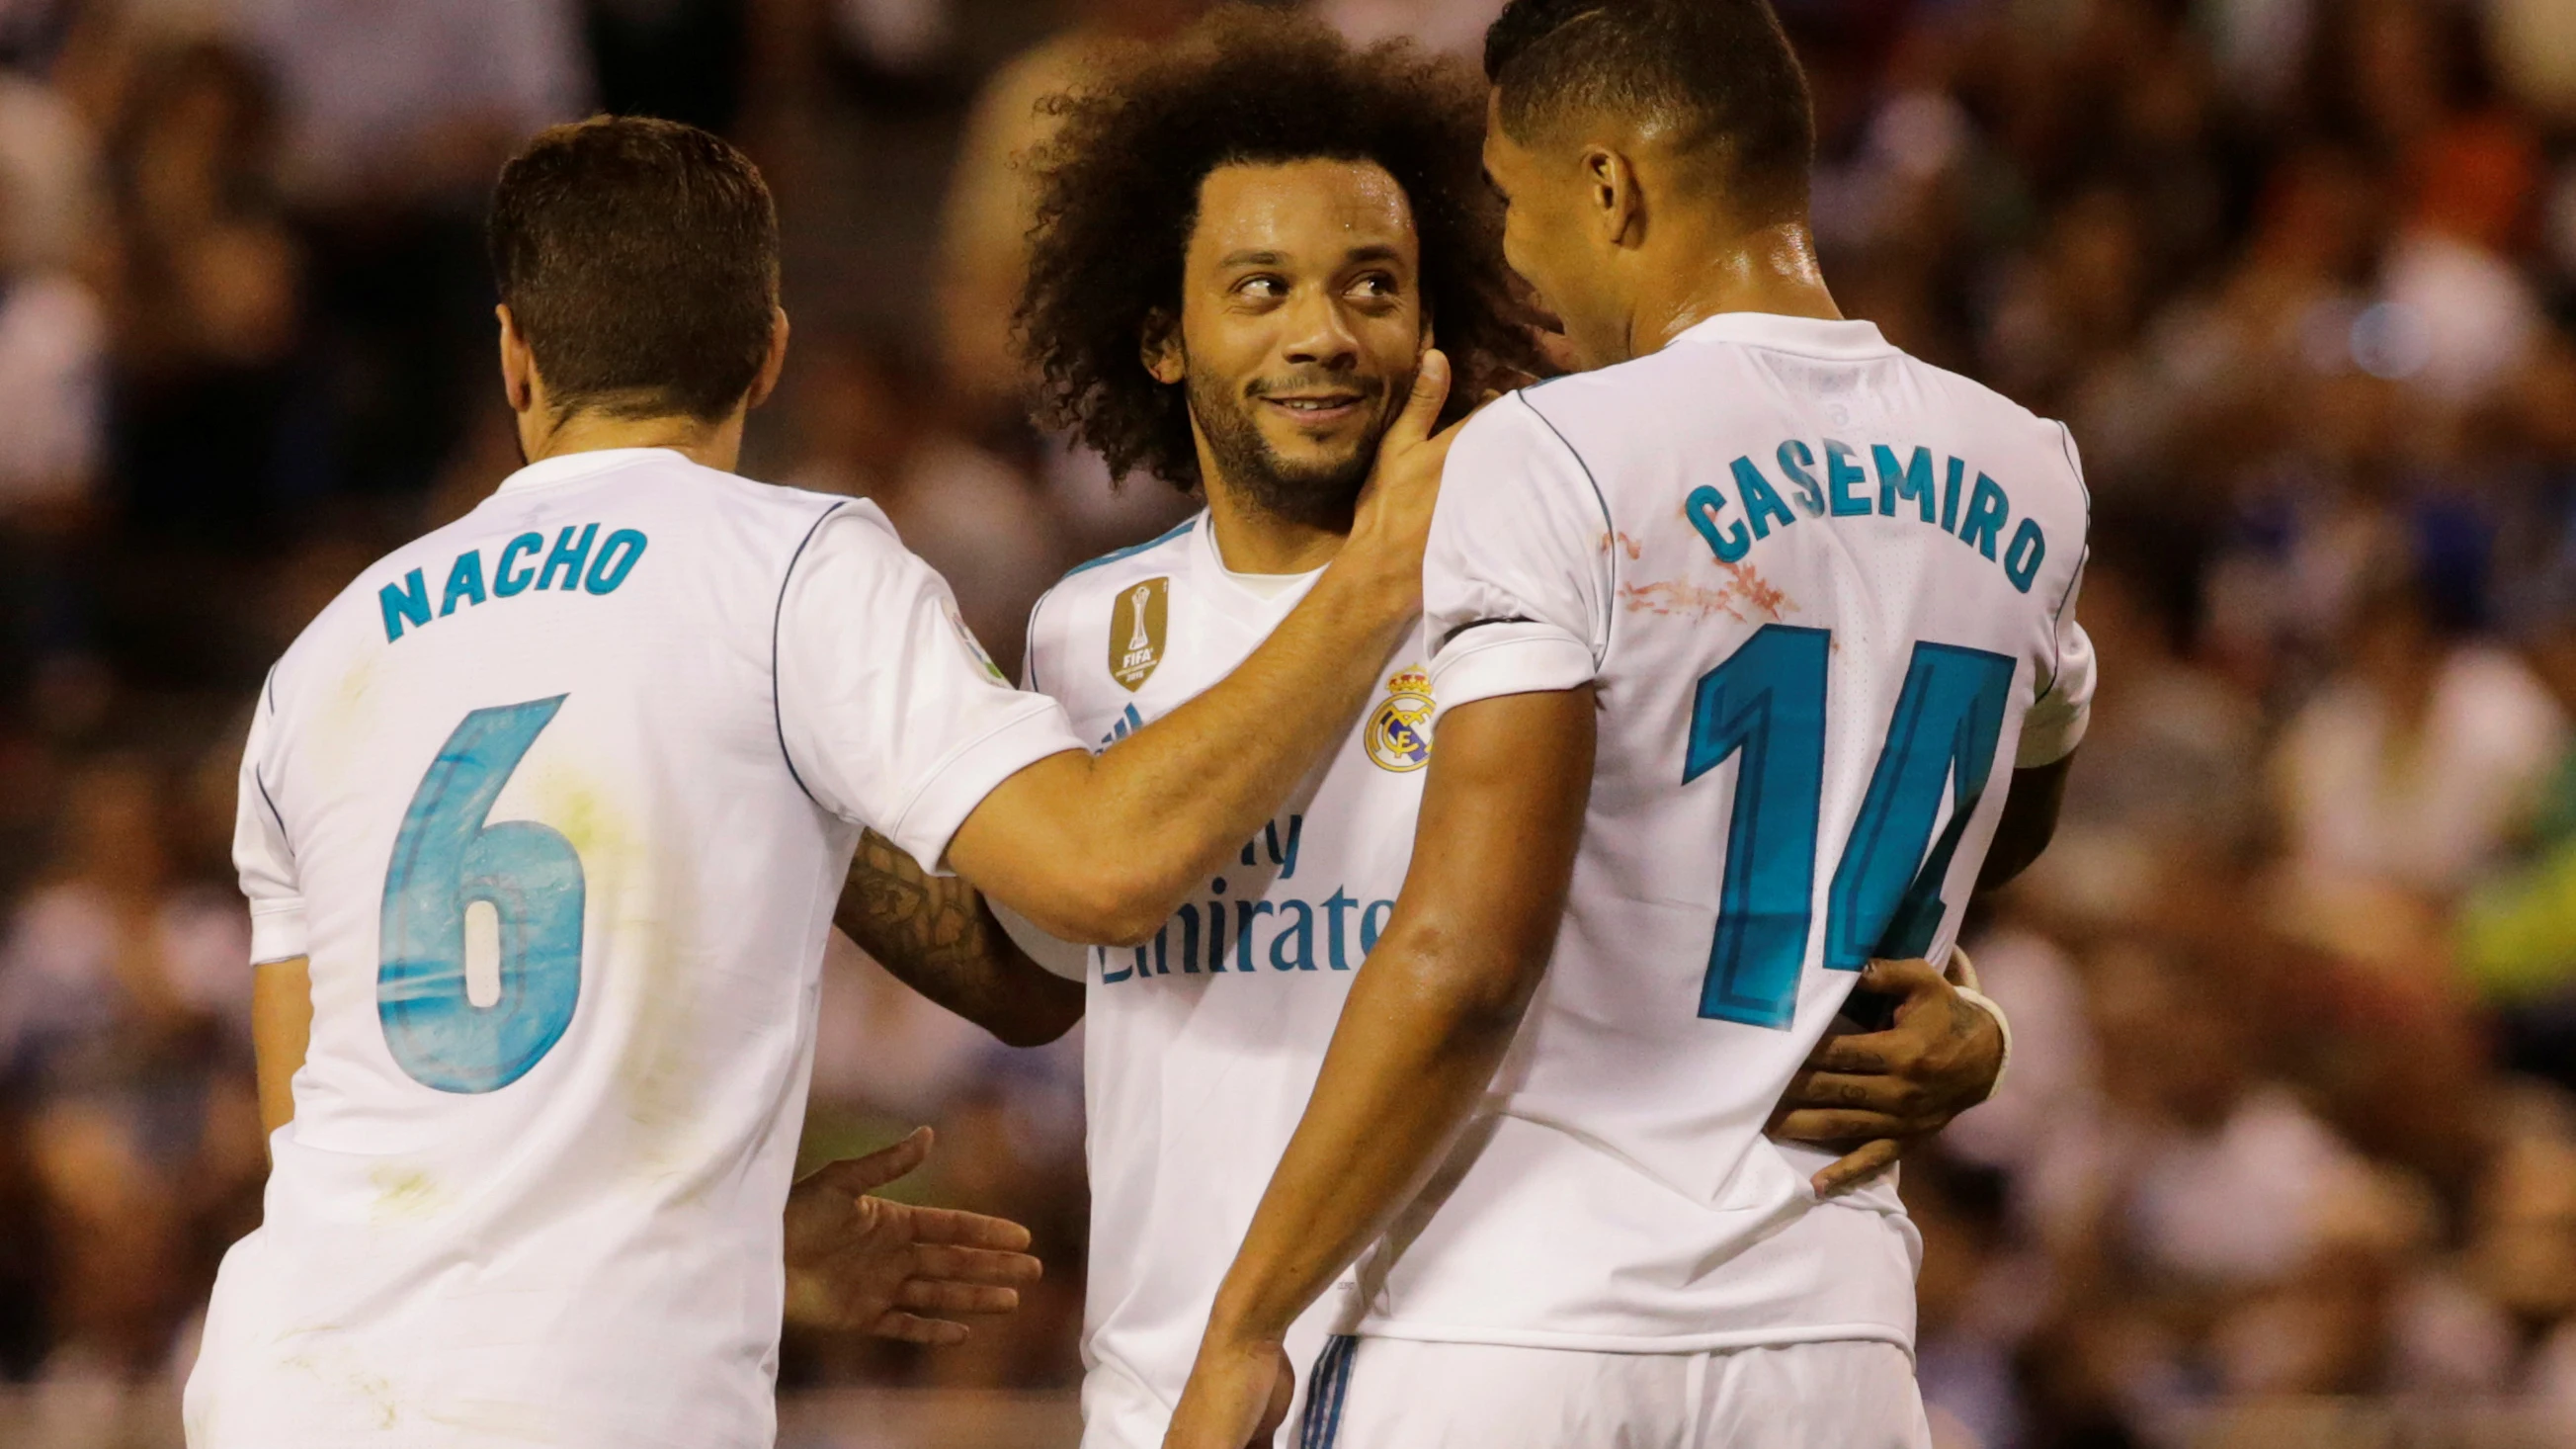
[1316, 495]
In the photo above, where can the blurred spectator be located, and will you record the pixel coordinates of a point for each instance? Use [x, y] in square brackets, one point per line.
[872, 429]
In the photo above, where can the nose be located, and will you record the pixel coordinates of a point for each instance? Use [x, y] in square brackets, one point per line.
[1319, 334]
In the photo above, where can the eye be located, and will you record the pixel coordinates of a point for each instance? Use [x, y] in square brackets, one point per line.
[1262, 286]
[1375, 286]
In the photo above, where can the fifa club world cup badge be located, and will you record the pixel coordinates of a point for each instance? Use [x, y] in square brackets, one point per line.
[1136, 632]
[1399, 734]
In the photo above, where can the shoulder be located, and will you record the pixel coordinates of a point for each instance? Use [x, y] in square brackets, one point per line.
[1094, 585]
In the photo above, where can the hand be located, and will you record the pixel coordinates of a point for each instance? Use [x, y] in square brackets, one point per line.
[1880, 1092]
[1392, 520]
[1237, 1396]
[856, 1262]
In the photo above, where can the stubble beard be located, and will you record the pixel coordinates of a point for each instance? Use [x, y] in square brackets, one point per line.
[1316, 497]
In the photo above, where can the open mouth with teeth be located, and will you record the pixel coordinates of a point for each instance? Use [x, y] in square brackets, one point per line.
[1313, 409]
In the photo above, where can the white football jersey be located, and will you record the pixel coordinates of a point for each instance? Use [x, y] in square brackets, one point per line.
[1201, 1048]
[558, 800]
[1824, 592]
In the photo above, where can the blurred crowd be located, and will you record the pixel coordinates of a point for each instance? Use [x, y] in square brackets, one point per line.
[2293, 1109]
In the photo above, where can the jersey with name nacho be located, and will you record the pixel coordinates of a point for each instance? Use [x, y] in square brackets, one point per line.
[1202, 1046]
[557, 801]
[1824, 594]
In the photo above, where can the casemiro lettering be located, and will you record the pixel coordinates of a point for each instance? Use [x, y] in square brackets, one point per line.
[1835, 479]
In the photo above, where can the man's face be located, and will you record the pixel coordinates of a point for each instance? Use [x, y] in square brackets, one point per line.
[1553, 241]
[1301, 326]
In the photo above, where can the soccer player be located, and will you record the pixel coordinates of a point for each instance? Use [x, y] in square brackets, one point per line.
[1754, 655]
[542, 821]
[1277, 224]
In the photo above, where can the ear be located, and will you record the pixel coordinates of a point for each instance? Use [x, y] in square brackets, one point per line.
[770, 366]
[1617, 203]
[518, 365]
[1162, 352]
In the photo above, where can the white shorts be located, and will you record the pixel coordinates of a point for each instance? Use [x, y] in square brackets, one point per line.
[1393, 1393]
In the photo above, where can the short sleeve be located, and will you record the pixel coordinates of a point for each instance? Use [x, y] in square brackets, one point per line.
[261, 852]
[890, 713]
[1516, 578]
[2055, 724]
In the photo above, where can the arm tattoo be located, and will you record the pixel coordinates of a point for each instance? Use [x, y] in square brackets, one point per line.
[935, 934]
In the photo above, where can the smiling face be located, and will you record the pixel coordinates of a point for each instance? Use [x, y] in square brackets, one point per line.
[1301, 326]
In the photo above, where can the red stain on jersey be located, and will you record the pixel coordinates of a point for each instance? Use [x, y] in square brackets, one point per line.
[1745, 597]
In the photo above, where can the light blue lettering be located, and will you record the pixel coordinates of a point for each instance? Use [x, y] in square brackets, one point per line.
[1913, 481]
[1702, 508]
[1334, 905]
[616, 560]
[1802, 483]
[1950, 496]
[410, 601]
[1842, 475]
[1987, 508]
[2021, 561]
[506, 583]
[1371, 922]
[1761, 502]
[568, 557]
[464, 581]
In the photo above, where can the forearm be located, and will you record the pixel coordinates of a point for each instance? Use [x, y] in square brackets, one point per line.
[1416, 1049]
[1102, 849]
[936, 935]
[2029, 822]
[281, 1021]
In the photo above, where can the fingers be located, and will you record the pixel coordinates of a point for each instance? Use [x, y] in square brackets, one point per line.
[1422, 409]
[1857, 1167]
[973, 1230]
[975, 1265]
[1895, 1096]
[1860, 1053]
[928, 1296]
[857, 1175]
[1901, 978]
[936, 1332]
[1834, 1126]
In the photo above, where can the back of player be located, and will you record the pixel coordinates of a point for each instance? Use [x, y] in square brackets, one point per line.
[522, 796]
[553, 805]
[1821, 591]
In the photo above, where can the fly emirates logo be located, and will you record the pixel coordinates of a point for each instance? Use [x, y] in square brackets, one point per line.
[1258, 919]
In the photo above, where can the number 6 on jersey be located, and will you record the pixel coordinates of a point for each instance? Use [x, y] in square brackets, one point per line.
[447, 860]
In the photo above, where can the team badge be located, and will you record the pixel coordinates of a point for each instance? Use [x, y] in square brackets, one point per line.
[1136, 631]
[1399, 733]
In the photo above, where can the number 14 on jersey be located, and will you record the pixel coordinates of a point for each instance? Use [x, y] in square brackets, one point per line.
[1767, 703]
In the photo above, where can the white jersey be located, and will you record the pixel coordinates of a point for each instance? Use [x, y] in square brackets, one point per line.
[1824, 593]
[558, 800]
[1202, 1047]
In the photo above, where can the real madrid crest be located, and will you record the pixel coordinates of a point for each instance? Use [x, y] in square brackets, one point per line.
[1136, 631]
[1399, 733]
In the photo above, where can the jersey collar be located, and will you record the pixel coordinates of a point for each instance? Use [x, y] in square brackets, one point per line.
[1810, 336]
[1221, 580]
[566, 467]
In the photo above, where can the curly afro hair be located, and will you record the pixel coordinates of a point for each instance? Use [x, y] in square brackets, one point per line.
[1118, 192]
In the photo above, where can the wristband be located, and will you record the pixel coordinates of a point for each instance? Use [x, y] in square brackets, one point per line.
[1962, 976]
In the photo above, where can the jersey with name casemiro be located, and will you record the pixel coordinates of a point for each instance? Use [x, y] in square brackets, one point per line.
[1202, 1046]
[1824, 593]
[557, 801]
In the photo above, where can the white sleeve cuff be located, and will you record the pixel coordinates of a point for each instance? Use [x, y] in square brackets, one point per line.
[1516, 656]
[968, 773]
[276, 930]
[2051, 731]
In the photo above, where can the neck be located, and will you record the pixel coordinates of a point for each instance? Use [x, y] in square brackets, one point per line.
[1253, 540]
[1767, 269]
[716, 445]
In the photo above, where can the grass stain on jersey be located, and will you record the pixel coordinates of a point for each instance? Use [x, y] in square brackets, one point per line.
[404, 1193]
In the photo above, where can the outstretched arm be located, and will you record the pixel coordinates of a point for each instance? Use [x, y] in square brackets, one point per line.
[935, 934]
[1427, 1023]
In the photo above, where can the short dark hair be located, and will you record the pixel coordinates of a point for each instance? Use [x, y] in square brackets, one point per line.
[1118, 195]
[1722, 71]
[640, 259]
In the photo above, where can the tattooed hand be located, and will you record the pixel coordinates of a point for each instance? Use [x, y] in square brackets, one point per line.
[1877, 1093]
